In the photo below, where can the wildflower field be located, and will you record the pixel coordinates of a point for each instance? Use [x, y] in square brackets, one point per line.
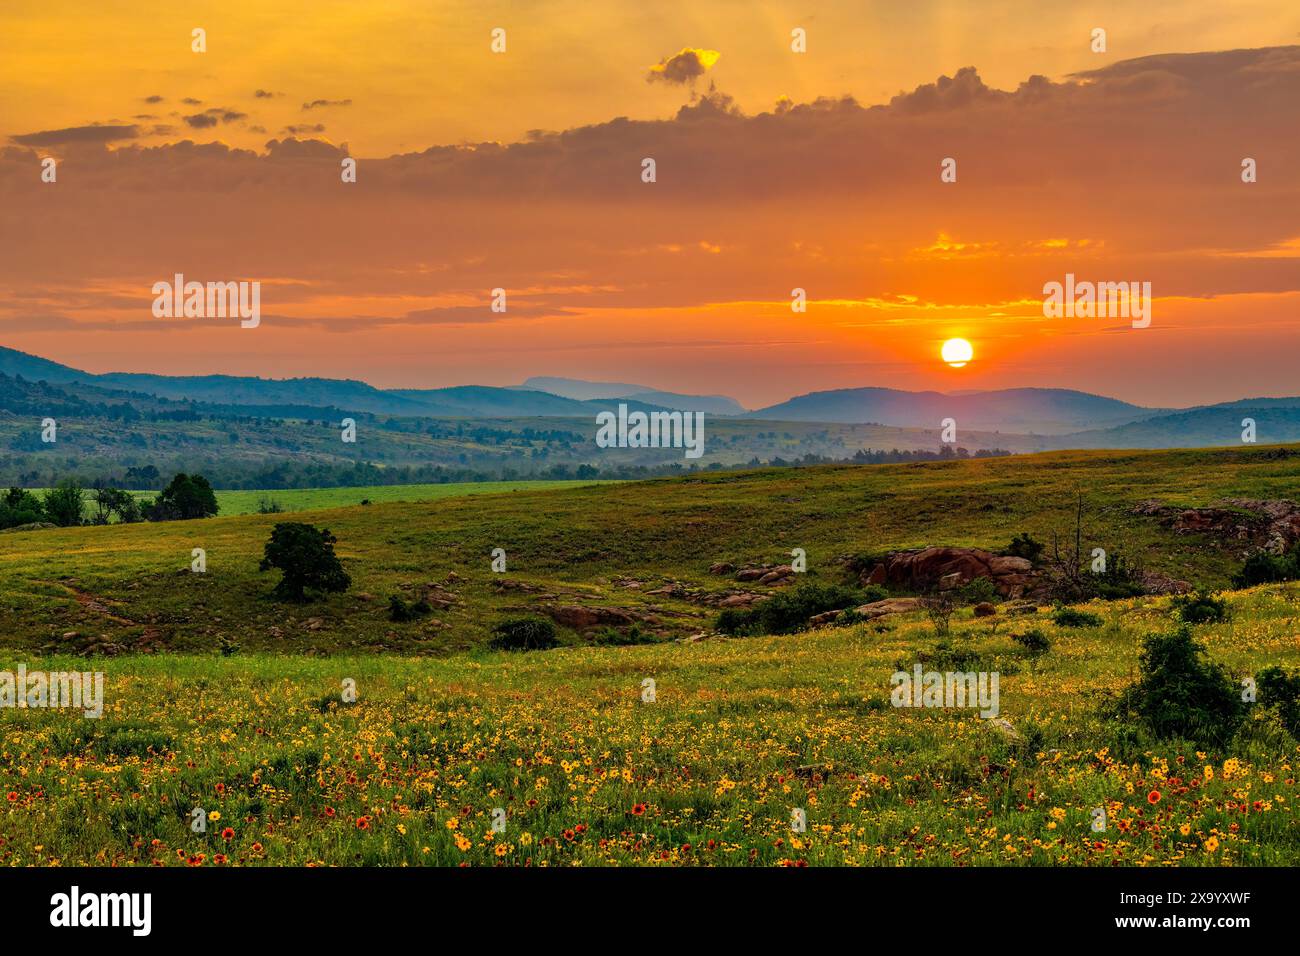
[741, 732]
[218, 698]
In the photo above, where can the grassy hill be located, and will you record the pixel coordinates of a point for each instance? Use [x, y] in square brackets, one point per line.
[606, 545]
[741, 731]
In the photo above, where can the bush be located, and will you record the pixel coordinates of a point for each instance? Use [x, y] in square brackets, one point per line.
[524, 634]
[1200, 608]
[1023, 546]
[1034, 641]
[613, 637]
[64, 505]
[1281, 689]
[1073, 617]
[305, 556]
[269, 506]
[979, 591]
[1265, 568]
[399, 610]
[788, 611]
[1180, 693]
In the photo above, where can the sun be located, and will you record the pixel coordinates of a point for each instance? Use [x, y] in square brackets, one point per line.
[957, 352]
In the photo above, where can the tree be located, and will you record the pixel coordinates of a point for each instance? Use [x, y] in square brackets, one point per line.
[64, 505]
[305, 556]
[184, 498]
[19, 507]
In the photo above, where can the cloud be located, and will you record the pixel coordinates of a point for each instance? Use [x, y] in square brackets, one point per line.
[266, 94]
[302, 130]
[77, 134]
[154, 99]
[201, 120]
[684, 67]
[316, 104]
[191, 101]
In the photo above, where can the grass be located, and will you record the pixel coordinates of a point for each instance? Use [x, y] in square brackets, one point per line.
[741, 732]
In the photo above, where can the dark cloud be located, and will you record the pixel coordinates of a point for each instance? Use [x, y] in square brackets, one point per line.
[266, 94]
[77, 134]
[303, 129]
[314, 104]
[683, 67]
[153, 99]
[201, 120]
[191, 101]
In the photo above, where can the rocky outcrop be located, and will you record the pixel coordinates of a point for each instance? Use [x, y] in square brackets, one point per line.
[1272, 524]
[869, 612]
[945, 568]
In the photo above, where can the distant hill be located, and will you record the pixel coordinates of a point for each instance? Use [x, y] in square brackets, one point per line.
[1276, 421]
[1023, 410]
[584, 390]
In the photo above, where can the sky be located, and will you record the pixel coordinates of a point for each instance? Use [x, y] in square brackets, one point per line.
[522, 169]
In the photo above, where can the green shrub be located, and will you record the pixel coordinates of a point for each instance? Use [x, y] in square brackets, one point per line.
[1200, 607]
[613, 637]
[400, 611]
[979, 591]
[1121, 579]
[524, 634]
[1072, 617]
[788, 611]
[1023, 546]
[1281, 689]
[1264, 568]
[1034, 641]
[1180, 693]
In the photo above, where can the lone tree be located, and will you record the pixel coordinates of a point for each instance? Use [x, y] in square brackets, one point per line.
[305, 556]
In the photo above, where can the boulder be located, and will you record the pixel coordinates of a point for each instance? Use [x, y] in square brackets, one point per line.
[985, 609]
[947, 568]
[888, 606]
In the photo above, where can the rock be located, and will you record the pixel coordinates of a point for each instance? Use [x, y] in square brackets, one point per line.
[888, 606]
[1270, 523]
[947, 568]
[70, 635]
[579, 617]
[739, 600]
[1155, 583]
[750, 574]
[776, 575]
[985, 609]
[1020, 608]
[826, 617]
[722, 567]
[1004, 727]
[314, 623]
[453, 576]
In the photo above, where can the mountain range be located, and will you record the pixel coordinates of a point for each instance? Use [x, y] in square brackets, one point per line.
[1056, 418]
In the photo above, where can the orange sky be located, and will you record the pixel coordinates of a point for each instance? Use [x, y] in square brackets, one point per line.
[1123, 165]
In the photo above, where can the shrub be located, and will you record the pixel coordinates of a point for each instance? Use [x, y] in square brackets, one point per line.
[789, 611]
[939, 607]
[979, 591]
[268, 506]
[1073, 617]
[399, 610]
[613, 637]
[1281, 689]
[1265, 568]
[305, 556]
[1023, 546]
[1121, 579]
[1180, 693]
[1200, 608]
[1034, 641]
[524, 634]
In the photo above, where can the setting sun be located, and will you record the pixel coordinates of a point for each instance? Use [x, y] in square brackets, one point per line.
[957, 352]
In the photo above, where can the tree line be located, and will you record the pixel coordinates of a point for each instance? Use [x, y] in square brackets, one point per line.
[68, 504]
